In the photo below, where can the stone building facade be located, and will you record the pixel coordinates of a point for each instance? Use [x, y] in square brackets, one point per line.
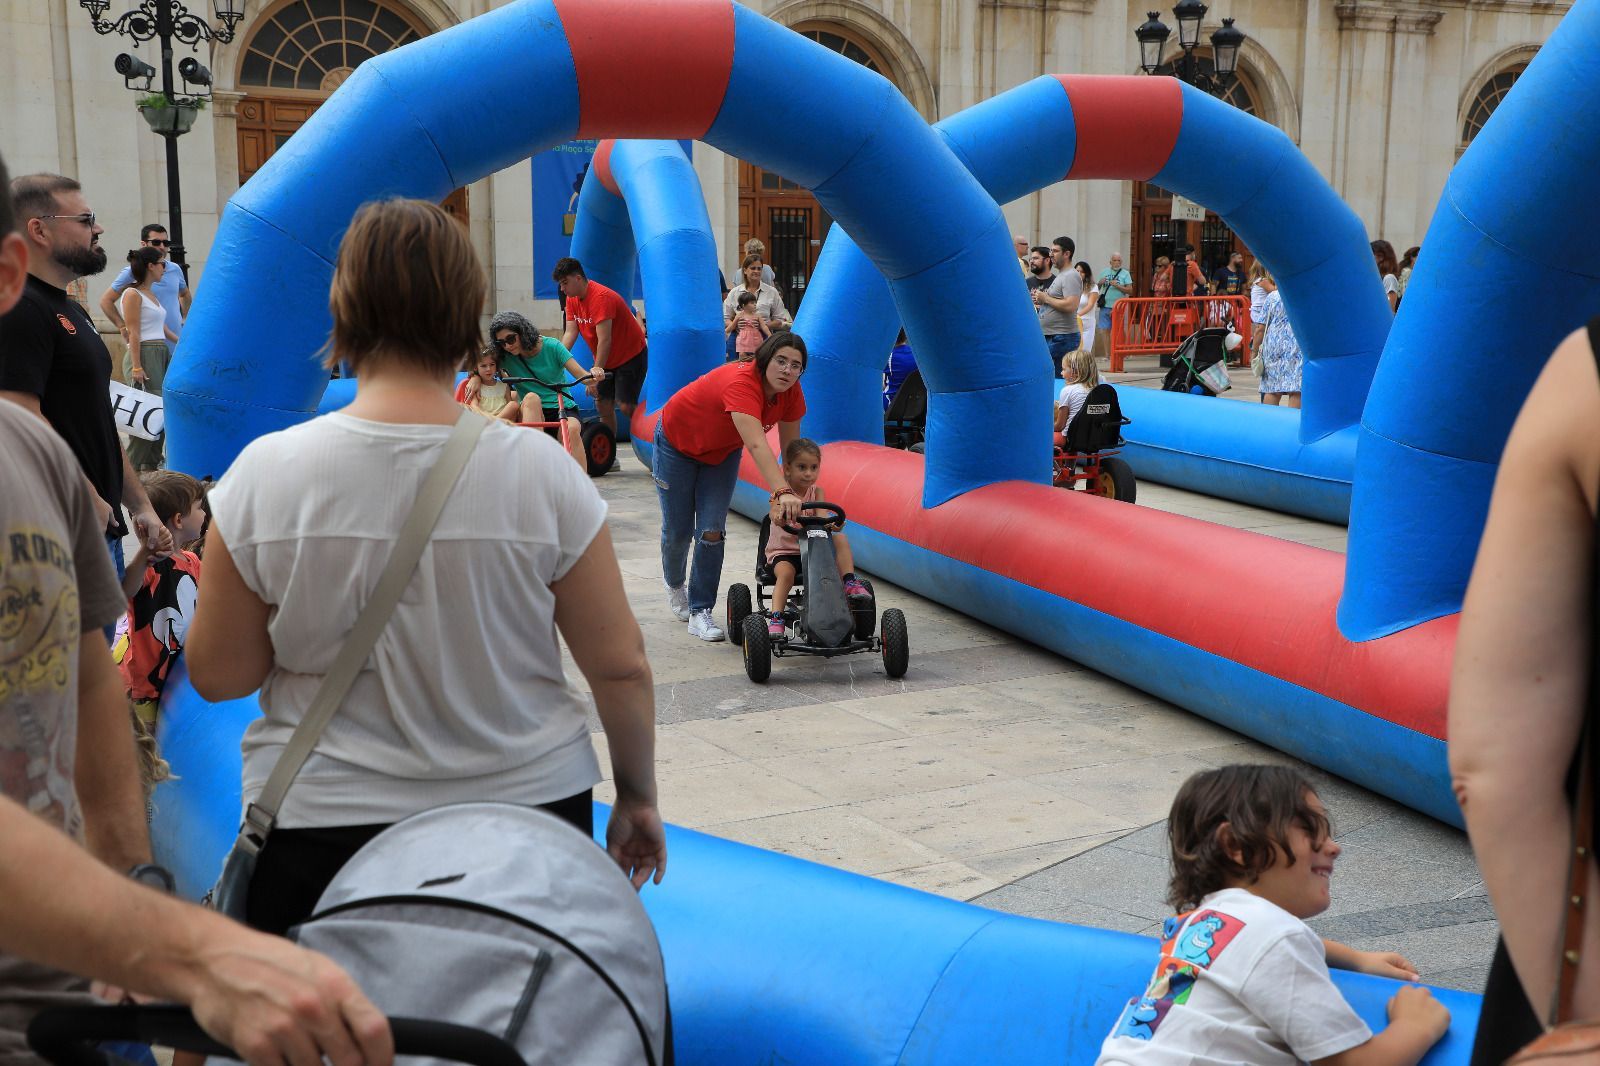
[1382, 95]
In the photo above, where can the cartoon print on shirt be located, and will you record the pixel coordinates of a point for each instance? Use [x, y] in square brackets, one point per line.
[1189, 944]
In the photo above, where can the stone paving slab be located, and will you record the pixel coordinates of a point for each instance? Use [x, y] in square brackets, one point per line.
[997, 771]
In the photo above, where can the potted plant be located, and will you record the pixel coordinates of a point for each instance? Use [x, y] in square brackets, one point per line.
[173, 116]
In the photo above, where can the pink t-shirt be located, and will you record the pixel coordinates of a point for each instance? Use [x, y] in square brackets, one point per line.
[749, 337]
[780, 541]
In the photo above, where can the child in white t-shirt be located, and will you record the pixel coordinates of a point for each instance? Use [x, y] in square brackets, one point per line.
[1241, 978]
[1082, 373]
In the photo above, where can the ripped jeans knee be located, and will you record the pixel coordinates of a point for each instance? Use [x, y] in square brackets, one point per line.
[710, 536]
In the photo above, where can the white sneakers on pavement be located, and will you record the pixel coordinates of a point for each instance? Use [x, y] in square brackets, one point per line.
[702, 625]
[678, 600]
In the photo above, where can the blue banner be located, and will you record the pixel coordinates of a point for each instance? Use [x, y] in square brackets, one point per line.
[558, 175]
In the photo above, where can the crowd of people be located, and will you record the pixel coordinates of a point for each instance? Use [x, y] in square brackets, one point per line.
[465, 696]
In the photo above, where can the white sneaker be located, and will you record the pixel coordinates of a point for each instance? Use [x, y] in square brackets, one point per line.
[678, 600]
[702, 625]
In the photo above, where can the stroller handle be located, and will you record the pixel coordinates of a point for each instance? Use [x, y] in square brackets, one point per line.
[66, 1036]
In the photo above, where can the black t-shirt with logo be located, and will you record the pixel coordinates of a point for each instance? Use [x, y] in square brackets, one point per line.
[1036, 282]
[50, 348]
[1229, 282]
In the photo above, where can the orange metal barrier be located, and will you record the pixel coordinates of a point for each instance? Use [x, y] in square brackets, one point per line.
[1157, 325]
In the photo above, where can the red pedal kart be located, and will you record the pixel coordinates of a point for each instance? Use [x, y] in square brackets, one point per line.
[599, 442]
[1087, 453]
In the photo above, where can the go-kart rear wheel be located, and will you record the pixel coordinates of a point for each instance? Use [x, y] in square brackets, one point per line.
[896, 645]
[757, 648]
[1116, 481]
[866, 615]
[599, 447]
[738, 611]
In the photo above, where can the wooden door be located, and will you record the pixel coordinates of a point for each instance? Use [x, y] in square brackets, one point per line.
[789, 221]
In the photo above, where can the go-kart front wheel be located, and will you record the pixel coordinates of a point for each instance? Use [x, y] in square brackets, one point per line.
[896, 644]
[1116, 480]
[757, 648]
[738, 611]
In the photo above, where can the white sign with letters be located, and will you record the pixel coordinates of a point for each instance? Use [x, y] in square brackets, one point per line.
[138, 414]
[1187, 210]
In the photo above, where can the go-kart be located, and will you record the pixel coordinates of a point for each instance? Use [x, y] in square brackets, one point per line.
[599, 442]
[1086, 453]
[818, 618]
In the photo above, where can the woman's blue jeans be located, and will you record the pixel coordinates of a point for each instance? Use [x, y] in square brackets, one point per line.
[694, 501]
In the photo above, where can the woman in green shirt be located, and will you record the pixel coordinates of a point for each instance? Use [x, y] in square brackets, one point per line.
[524, 353]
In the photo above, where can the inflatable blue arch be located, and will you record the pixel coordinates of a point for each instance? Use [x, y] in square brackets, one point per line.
[1238, 627]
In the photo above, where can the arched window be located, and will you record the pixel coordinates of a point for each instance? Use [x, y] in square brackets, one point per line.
[1241, 91]
[838, 39]
[313, 45]
[1487, 100]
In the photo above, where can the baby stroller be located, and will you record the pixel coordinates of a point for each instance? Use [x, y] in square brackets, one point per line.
[503, 921]
[1203, 349]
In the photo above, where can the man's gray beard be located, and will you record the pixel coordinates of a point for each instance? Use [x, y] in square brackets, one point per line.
[83, 262]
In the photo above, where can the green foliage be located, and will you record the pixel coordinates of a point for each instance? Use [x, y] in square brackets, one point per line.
[159, 102]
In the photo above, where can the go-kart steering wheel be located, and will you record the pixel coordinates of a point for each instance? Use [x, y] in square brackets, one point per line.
[808, 521]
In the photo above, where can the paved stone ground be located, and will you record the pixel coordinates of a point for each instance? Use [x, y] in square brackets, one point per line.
[999, 772]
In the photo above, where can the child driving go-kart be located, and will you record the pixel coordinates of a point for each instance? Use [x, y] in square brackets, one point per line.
[802, 464]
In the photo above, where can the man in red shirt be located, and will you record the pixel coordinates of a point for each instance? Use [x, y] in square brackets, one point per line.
[613, 334]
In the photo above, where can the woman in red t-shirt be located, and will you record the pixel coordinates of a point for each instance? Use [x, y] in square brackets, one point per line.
[700, 436]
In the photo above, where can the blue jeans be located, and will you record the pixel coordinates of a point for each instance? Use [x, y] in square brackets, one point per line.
[1104, 321]
[694, 501]
[115, 546]
[1061, 345]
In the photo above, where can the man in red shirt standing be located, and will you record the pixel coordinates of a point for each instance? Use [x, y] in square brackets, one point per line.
[613, 334]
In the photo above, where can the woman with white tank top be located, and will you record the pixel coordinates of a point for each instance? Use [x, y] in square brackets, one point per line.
[145, 364]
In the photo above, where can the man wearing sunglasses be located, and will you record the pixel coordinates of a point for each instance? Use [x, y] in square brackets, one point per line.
[172, 290]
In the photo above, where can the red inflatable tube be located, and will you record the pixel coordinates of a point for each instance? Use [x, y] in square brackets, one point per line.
[1105, 108]
[1264, 603]
[665, 77]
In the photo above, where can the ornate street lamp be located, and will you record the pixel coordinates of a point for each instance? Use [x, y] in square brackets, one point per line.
[168, 21]
[1225, 45]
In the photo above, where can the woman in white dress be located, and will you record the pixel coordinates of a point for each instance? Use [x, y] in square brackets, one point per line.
[1088, 307]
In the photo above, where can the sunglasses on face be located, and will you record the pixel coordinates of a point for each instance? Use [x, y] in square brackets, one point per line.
[503, 343]
[158, 244]
[87, 218]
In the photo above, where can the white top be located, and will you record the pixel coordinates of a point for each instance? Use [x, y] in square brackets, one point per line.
[1072, 397]
[1391, 284]
[1239, 980]
[464, 697]
[1258, 295]
[152, 318]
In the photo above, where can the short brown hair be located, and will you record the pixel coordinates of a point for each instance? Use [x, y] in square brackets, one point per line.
[33, 195]
[801, 446]
[770, 346]
[751, 260]
[407, 287]
[1258, 804]
[171, 493]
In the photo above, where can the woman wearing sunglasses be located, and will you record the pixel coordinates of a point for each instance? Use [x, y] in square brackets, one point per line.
[700, 436]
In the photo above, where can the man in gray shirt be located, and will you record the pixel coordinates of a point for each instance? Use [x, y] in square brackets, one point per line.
[1058, 303]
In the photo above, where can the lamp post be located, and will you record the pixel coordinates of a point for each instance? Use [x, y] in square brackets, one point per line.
[168, 21]
[1225, 43]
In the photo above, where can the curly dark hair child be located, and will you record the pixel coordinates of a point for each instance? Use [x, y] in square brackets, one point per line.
[1246, 808]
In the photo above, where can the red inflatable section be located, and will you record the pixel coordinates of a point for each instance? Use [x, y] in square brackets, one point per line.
[1264, 603]
[665, 77]
[601, 167]
[1127, 125]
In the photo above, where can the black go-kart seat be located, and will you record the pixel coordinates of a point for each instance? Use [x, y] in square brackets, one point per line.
[905, 422]
[1098, 426]
[764, 572]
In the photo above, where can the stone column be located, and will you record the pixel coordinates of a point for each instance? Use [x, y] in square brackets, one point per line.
[1402, 216]
[1378, 117]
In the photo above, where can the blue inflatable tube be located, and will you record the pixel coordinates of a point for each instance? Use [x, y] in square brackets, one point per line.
[384, 132]
[857, 970]
[1264, 187]
[1459, 364]
[646, 202]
